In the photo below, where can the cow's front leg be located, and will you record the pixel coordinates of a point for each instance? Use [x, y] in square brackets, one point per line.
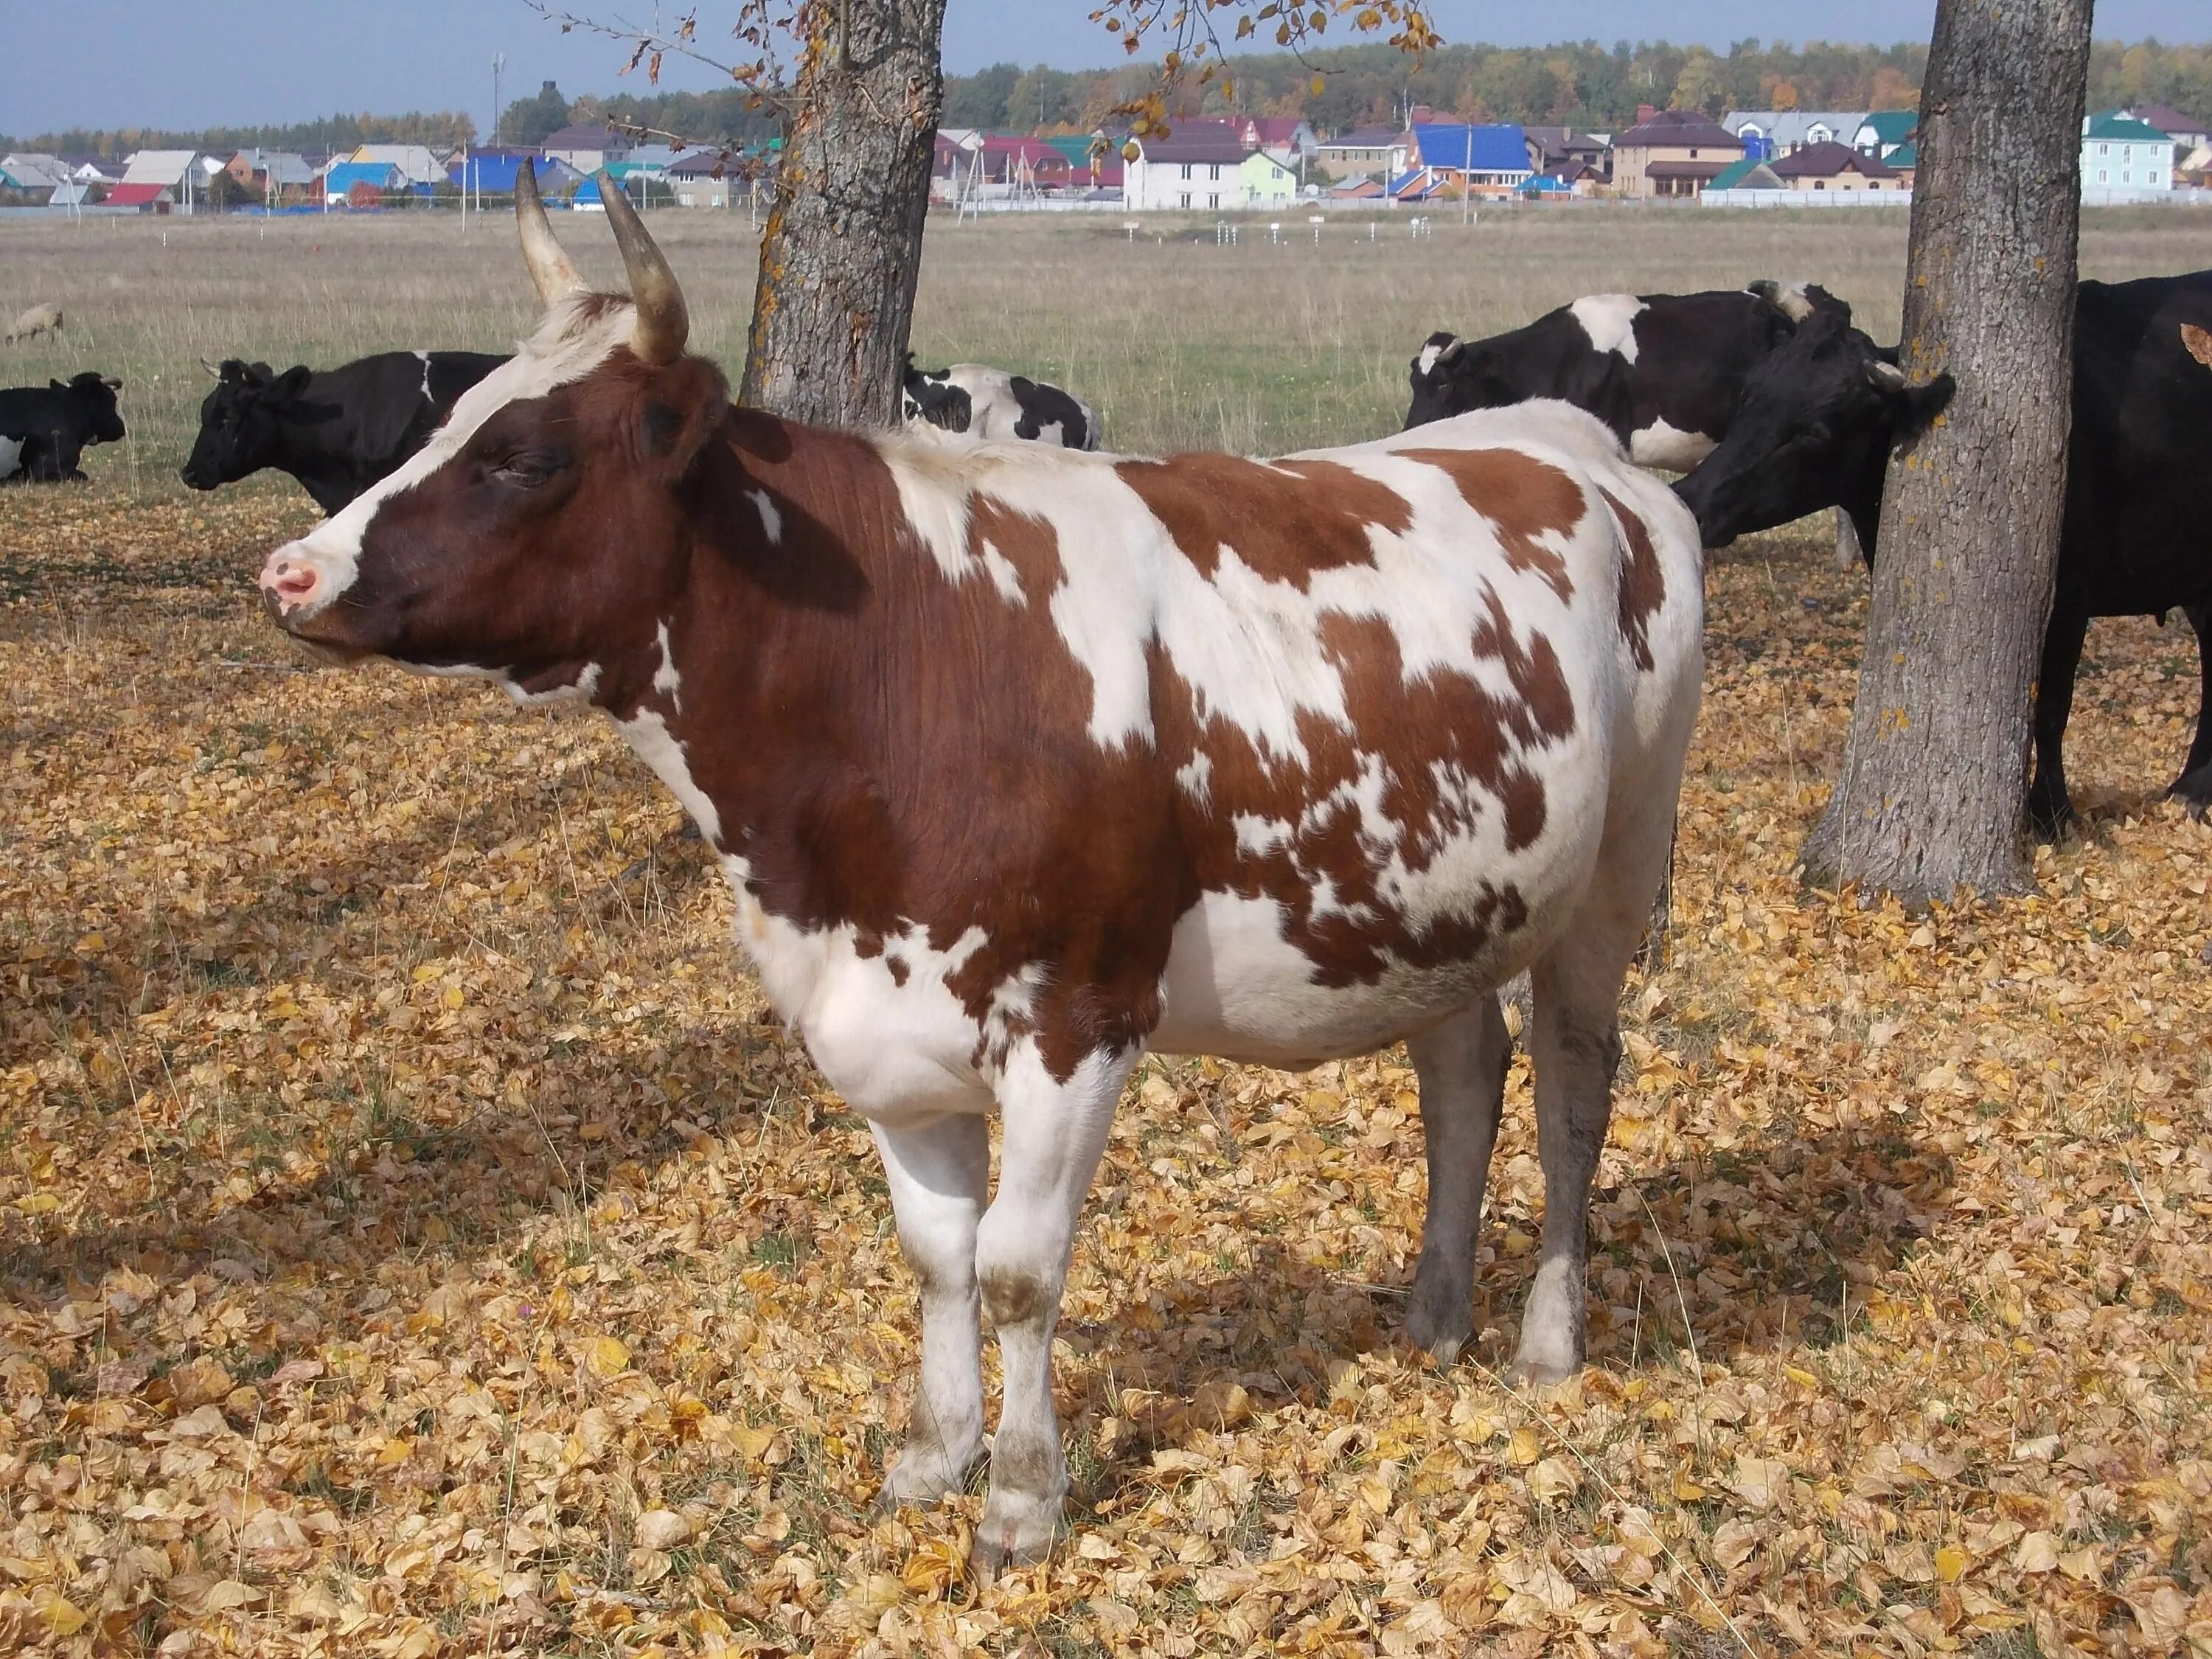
[2193, 788]
[1055, 1131]
[940, 1174]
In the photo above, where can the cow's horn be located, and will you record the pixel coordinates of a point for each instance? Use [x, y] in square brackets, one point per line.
[210, 369]
[549, 269]
[1888, 376]
[663, 322]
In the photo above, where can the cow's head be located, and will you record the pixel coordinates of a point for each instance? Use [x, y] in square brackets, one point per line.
[240, 421]
[1820, 417]
[929, 397]
[1449, 376]
[94, 394]
[549, 517]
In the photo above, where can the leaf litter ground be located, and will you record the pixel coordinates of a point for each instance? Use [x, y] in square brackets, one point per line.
[417, 1237]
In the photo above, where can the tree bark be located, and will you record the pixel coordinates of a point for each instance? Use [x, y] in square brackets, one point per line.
[1932, 790]
[842, 245]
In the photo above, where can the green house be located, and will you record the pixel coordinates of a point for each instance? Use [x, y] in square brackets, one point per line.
[1265, 182]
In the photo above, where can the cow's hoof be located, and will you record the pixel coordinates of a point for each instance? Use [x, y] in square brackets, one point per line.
[1440, 1325]
[2194, 792]
[2049, 820]
[1016, 1532]
[1539, 1371]
[921, 1478]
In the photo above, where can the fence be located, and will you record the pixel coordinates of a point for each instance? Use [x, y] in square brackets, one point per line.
[1807, 198]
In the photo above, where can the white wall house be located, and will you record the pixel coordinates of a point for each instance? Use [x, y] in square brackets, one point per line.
[1204, 175]
[2124, 161]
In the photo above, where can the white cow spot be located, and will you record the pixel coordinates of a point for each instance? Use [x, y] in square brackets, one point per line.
[1195, 778]
[425, 357]
[1430, 354]
[771, 521]
[659, 747]
[665, 679]
[1609, 319]
[11, 449]
[1661, 445]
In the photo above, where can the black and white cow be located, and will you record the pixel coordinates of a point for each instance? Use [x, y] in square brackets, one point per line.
[337, 431]
[989, 403]
[1821, 417]
[44, 430]
[1664, 371]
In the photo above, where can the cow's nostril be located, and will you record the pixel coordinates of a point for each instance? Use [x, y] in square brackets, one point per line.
[293, 581]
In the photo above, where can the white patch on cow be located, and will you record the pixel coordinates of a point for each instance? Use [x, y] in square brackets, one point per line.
[425, 357]
[1663, 446]
[1609, 319]
[883, 1028]
[1004, 576]
[1432, 354]
[665, 679]
[648, 735]
[771, 519]
[565, 349]
[580, 690]
[11, 452]
[1195, 778]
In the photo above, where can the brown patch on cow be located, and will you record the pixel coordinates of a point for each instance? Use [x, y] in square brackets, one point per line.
[1283, 521]
[2197, 343]
[1643, 583]
[1523, 498]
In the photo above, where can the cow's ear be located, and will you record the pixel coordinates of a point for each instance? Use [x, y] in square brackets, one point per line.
[289, 386]
[1915, 407]
[681, 409]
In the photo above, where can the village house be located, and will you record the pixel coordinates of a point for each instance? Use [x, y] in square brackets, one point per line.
[1671, 154]
[2124, 159]
[1566, 153]
[1884, 131]
[1750, 174]
[1364, 152]
[587, 147]
[1771, 134]
[1458, 157]
[279, 177]
[1832, 166]
[1266, 181]
[156, 180]
[1201, 174]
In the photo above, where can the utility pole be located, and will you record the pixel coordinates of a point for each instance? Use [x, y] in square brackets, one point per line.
[498, 64]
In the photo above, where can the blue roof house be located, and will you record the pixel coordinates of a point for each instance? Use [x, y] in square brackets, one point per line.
[1489, 159]
[494, 174]
[346, 177]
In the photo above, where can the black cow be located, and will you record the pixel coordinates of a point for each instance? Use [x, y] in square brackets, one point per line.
[1664, 371]
[1821, 417]
[989, 403]
[337, 431]
[43, 430]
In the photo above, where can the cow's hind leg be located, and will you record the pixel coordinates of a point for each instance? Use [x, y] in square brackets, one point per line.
[1461, 1065]
[1055, 1130]
[2194, 786]
[1576, 1048]
[940, 1174]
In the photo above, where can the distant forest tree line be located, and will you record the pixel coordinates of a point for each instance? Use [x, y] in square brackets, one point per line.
[1584, 85]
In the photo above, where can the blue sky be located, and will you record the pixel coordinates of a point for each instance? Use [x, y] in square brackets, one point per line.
[204, 63]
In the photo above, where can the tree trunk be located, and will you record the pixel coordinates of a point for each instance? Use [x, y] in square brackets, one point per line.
[1932, 790]
[843, 245]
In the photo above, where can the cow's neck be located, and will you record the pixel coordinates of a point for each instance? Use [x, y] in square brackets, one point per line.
[755, 690]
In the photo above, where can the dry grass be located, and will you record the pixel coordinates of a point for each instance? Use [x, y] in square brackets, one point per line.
[416, 1239]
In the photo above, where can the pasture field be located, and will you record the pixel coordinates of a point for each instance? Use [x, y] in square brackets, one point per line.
[417, 1237]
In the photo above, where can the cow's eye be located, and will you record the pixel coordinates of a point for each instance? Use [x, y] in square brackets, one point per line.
[527, 468]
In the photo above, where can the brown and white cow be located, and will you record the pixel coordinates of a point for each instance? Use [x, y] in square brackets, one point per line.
[1023, 761]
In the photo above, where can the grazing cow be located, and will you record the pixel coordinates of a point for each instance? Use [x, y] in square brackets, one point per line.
[38, 320]
[989, 403]
[52, 425]
[1664, 371]
[1021, 762]
[1821, 417]
[338, 430]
